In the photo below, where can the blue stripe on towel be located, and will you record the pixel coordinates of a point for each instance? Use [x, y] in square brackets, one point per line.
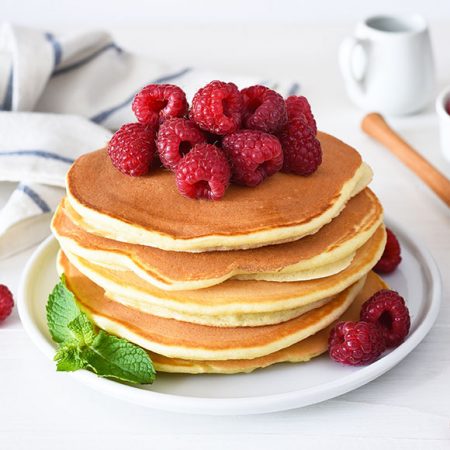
[293, 89]
[57, 49]
[39, 153]
[85, 60]
[101, 117]
[37, 199]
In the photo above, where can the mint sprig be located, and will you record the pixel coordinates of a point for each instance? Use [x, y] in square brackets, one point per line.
[81, 346]
[61, 310]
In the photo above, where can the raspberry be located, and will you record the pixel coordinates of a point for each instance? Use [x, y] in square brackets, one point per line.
[390, 258]
[203, 173]
[176, 137]
[302, 151]
[6, 302]
[264, 109]
[253, 155]
[356, 343]
[217, 108]
[388, 310]
[131, 149]
[299, 106]
[158, 102]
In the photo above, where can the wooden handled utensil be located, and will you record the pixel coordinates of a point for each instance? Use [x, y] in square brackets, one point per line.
[375, 126]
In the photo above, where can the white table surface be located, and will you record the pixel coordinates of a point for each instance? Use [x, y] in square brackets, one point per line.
[408, 408]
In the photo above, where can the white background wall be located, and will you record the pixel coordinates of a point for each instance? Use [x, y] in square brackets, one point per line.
[140, 12]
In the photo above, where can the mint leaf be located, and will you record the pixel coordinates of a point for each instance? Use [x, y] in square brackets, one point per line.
[112, 357]
[61, 310]
[81, 347]
[82, 329]
[69, 358]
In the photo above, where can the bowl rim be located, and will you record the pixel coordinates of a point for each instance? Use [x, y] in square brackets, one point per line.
[416, 23]
[442, 98]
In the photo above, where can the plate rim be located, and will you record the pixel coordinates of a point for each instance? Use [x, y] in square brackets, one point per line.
[243, 405]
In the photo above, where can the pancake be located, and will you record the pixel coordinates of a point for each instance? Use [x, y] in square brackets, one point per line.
[233, 302]
[185, 340]
[248, 319]
[322, 254]
[284, 208]
[190, 269]
[302, 351]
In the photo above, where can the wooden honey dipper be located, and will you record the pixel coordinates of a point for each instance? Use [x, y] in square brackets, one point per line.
[375, 126]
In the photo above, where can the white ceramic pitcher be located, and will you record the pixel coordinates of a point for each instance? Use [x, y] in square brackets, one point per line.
[388, 64]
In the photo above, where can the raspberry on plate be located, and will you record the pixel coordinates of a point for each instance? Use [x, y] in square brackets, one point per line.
[132, 148]
[391, 257]
[203, 173]
[355, 343]
[264, 109]
[388, 310]
[296, 106]
[302, 150]
[158, 102]
[176, 137]
[6, 302]
[217, 108]
[253, 155]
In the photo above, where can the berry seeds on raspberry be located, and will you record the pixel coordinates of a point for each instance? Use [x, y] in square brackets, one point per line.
[253, 155]
[264, 109]
[203, 173]
[217, 108]
[356, 343]
[131, 149]
[388, 310]
[302, 150]
[391, 257]
[158, 102]
[298, 106]
[6, 302]
[176, 137]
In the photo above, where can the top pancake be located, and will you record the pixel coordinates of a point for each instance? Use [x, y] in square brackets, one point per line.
[150, 211]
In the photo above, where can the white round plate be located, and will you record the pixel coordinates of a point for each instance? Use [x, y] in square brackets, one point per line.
[276, 388]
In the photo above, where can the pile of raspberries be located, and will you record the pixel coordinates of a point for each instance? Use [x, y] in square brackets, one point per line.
[227, 135]
[384, 323]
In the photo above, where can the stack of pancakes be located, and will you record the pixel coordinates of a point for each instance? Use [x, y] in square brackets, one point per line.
[226, 286]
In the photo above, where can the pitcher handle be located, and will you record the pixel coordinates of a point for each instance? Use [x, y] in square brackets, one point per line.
[353, 61]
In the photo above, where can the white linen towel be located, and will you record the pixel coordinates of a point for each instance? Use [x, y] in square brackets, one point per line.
[80, 88]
